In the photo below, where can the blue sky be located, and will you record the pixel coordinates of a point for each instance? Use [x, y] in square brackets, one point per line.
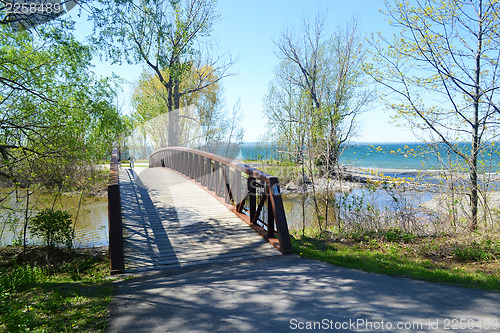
[247, 30]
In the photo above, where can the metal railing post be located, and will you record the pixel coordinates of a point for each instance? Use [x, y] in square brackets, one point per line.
[216, 178]
[279, 216]
[270, 214]
[197, 172]
[237, 197]
[190, 165]
[115, 218]
[252, 196]
[227, 186]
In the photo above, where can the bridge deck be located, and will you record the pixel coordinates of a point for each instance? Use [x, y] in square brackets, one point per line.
[170, 222]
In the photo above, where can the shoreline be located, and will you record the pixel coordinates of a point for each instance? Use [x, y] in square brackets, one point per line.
[357, 177]
[354, 177]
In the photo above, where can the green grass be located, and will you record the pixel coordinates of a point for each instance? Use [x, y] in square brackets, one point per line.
[411, 259]
[284, 171]
[72, 295]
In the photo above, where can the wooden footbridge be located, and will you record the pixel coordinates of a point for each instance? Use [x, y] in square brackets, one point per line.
[192, 208]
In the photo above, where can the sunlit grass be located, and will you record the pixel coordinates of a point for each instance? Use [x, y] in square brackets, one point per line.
[414, 259]
[74, 298]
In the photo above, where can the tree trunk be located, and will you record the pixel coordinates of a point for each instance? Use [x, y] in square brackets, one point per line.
[173, 107]
[474, 190]
[26, 217]
[144, 145]
[475, 133]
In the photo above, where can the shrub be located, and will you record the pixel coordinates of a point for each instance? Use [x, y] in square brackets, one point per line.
[399, 236]
[20, 277]
[54, 227]
[477, 251]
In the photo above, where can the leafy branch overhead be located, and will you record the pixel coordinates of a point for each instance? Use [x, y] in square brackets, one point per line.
[52, 104]
[167, 37]
[58, 118]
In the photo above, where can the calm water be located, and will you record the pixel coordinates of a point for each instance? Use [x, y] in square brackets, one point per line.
[415, 156]
[91, 228]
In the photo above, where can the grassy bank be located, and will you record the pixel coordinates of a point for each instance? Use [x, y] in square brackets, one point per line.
[137, 163]
[284, 171]
[54, 291]
[471, 262]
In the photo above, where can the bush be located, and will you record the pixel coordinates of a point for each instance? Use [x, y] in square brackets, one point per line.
[477, 251]
[20, 277]
[54, 227]
[399, 236]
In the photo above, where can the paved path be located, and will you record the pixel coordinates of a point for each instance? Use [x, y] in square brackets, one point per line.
[170, 222]
[284, 293]
[249, 287]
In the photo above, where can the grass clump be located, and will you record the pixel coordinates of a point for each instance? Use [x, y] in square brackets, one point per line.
[443, 258]
[54, 290]
[477, 251]
[391, 235]
[20, 277]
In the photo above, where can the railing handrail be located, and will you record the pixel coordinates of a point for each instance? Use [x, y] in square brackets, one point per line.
[248, 169]
[272, 190]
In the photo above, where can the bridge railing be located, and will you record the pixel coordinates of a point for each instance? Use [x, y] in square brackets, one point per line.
[115, 217]
[253, 194]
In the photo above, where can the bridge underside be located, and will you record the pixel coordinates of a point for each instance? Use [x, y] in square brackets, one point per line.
[170, 222]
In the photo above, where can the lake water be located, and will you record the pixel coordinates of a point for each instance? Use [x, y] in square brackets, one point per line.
[404, 156]
[401, 160]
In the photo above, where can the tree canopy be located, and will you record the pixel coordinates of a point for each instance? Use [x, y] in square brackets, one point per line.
[317, 92]
[204, 121]
[166, 36]
[54, 109]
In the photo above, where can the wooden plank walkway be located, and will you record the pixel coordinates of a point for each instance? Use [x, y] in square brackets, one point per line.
[170, 222]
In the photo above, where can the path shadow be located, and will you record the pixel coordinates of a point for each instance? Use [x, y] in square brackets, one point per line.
[142, 222]
[271, 294]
